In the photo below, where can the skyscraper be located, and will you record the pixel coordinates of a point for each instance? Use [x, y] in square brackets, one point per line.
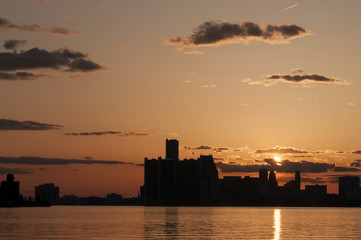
[349, 187]
[172, 146]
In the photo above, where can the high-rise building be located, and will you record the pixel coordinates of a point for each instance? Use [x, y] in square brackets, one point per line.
[46, 193]
[349, 187]
[263, 176]
[172, 146]
[297, 181]
[9, 190]
[174, 181]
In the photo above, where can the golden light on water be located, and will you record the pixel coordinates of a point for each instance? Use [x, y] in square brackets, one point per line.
[276, 224]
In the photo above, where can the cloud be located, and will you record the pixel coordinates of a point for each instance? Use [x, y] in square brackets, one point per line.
[93, 133]
[286, 166]
[7, 24]
[5, 171]
[130, 134]
[8, 124]
[120, 134]
[274, 79]
[209, 86]
[345, 169]
[35, 58]
[13, 44]
[19, 76]
[351, 104]
[315, 180]
[356, 163]
[55, 161]
[205, 147]
[357, 152]
[281, 150]
[217, 33]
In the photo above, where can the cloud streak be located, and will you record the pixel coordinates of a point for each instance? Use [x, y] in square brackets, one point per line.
[120, 134]
[274, 79]
[6, 24]
[19, 76]
[56, 161]
[4, 171]
[217, 33]
[205, 147]
[281, 150]
[63, 59]
[8, 125]
[286, 166]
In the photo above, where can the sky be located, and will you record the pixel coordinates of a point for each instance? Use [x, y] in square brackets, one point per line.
[90, 88]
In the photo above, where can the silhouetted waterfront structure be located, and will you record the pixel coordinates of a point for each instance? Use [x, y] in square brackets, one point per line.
[46, 193]
[316, 194]
[171, 181]
[9, 192]
[349, 188]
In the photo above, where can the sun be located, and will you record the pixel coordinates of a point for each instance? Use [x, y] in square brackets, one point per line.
[277, 159]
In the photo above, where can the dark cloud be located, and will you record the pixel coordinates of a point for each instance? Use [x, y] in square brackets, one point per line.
[13, 44]
[315, 180]
[281, 150]
[285, 166]
[19, 76]
[7, 124]
[130, 134]
[356, 163]
[304, 78]
[202, 147]
[215, 33]
[93, 133]
[225, 167]
[205, 147]
[55, 161]
[220, 149]
[120, 134]
[35, 58]
[140, 165]
[7, 24]
[345, 169]
[357, 152]
[5, 171]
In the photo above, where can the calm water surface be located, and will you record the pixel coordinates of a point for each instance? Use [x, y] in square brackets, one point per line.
[80, 222]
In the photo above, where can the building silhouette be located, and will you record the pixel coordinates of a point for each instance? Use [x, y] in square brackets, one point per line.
[349, 188]
[173, 181]
[46, 193]
[9, 191]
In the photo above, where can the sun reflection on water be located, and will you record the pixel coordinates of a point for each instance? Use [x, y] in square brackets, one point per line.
[276, 224]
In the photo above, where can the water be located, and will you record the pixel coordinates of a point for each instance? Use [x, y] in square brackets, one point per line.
[124, 222]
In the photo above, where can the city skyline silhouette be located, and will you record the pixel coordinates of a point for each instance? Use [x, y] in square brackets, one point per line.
[88, 88]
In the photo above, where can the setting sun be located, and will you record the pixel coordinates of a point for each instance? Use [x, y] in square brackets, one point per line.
[277, 159]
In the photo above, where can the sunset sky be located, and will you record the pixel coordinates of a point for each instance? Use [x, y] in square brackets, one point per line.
[90, 88]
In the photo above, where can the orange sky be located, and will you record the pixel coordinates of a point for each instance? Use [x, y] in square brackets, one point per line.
[111, 80]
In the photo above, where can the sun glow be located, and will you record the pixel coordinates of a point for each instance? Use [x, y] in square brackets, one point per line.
[277, 159]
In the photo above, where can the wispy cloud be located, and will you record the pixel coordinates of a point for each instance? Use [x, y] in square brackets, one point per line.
[205, 147]
[55, 161]
[8, 125]
[217, 33]
[287, 8]
[4, 171]
[6, 24]
[118, 133]
[281, 150]
[286, 166]
[304, 79]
